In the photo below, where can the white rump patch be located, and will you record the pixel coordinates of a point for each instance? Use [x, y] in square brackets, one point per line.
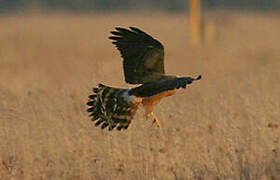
[131, 98]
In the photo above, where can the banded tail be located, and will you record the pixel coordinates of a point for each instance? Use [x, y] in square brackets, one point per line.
[112, 107]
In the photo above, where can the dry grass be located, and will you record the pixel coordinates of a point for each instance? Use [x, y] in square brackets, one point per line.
[225, 127]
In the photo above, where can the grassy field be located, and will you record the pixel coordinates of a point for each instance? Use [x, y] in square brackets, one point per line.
[224, 127]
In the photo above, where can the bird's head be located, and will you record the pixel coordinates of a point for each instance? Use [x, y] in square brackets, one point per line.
[184, 81]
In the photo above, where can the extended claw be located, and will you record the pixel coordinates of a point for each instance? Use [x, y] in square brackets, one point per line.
[155, 119]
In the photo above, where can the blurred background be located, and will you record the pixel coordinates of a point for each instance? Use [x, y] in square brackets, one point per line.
[202, 25]
[224, 127]
[131, 5]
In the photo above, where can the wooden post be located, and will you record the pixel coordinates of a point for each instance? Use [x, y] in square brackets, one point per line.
[195, 22]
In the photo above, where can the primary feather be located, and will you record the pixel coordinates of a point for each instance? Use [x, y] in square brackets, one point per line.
[142, 55]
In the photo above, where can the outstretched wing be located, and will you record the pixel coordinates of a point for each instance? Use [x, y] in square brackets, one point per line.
[156, 87]
[142, 55]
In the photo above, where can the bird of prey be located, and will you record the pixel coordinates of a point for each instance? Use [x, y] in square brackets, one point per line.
[143, 64]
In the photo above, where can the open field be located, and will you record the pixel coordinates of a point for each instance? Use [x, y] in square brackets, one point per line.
[224, 127]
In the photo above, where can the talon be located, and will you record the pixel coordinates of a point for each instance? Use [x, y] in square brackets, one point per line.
[155, 121]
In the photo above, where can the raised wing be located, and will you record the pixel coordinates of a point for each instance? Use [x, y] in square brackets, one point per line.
[142, 55]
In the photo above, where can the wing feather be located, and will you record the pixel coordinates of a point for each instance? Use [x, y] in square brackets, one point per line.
[143, 56]
[167, 83]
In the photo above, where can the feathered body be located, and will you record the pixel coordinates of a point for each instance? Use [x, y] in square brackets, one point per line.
[115, 107]
[143, 64]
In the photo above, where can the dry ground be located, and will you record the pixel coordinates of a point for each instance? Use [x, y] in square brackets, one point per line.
[225, 127]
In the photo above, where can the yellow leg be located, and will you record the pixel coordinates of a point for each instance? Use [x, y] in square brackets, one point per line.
[155, 119]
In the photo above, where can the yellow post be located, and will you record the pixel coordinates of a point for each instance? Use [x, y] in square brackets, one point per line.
[195, 22]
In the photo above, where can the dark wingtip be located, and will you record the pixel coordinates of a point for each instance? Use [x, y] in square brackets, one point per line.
[114, 38]
[199, 77]
[119, 28]
[116, 33]
[135, 29]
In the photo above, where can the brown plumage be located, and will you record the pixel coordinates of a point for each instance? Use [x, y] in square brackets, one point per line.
[143, 63]
[142, 55]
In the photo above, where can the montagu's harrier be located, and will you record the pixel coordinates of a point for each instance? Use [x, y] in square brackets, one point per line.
[142, 64]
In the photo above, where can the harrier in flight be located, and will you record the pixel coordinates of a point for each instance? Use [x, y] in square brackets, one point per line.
[143, 65]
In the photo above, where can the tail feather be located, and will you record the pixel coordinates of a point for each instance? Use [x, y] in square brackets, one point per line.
[112, 107]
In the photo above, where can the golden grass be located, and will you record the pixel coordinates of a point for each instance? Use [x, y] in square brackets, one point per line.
[225, 126]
